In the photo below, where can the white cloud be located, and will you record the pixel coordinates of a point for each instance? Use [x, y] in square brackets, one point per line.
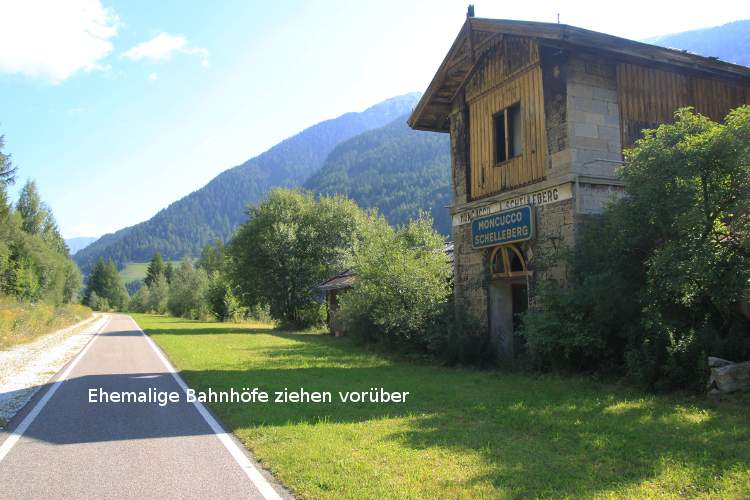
[162, 47]
[153, 77]
[53, 39]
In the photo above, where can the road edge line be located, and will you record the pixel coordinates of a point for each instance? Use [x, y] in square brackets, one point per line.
[19, 430]
[260, 482]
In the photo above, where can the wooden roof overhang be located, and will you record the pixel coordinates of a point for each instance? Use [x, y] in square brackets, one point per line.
[343, 280]
[476, 36]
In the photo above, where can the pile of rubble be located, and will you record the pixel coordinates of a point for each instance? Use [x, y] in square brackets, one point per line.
[727, 376]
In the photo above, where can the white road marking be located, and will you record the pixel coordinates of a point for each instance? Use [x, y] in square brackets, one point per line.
[29, 418]
[260, 482]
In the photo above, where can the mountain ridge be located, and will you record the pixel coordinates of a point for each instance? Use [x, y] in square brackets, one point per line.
[393, 168]
[213, 212]
[729, 42]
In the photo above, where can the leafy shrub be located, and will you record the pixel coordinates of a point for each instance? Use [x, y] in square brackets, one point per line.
[158, 295]
[458, 339]
[222, 302]
[402, 282]
[661, 277]
[260, 313]
[140, 300]
[308, 316]
[187, 292]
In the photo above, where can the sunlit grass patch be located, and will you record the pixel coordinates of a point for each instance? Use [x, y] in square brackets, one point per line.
[22, 322]
[462, 433]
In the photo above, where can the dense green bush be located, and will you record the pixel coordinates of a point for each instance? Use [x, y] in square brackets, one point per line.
[139, 301]
[662, 277]
[290, 244]
[403, 283]
[458, 339]
[221, 300]
[187, 292]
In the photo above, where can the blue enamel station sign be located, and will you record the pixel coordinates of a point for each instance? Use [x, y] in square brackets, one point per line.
[503, 227]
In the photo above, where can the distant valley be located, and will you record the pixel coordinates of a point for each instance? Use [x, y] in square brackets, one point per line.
[76, 244]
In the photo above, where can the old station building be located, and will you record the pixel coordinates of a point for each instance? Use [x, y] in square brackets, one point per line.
[538, 116]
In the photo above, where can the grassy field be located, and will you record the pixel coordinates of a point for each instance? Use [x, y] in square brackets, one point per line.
[134, 271]
[21, 322]
[462, 433]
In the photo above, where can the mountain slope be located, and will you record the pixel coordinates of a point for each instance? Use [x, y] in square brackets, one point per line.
[214, 211]
[76, 244]
[729, 42]
[394, 168]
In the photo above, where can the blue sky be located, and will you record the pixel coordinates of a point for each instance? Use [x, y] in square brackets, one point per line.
[117, 109]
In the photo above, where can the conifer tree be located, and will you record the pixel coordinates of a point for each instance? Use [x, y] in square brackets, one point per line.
[169, 272]
[155, 268]
[104, 283]
[7, 177]
[31, 209]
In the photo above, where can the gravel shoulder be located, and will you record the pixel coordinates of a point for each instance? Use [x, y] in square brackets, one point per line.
[26, 368]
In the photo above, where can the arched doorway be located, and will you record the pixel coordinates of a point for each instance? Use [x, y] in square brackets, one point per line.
[508, 297]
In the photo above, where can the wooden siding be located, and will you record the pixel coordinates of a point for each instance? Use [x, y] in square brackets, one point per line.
[650, 96]
[510, 74]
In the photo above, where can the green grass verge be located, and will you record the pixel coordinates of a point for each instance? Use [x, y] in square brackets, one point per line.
[135, 271]
[463, 433]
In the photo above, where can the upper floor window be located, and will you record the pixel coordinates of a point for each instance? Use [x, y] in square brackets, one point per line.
[508, 132]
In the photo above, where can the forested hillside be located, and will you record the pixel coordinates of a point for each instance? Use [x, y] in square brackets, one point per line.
[394, 168]
[729, 42]
[214, 211]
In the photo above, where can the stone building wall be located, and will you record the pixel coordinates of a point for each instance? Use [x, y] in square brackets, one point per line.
[582, 118]
[593, 117]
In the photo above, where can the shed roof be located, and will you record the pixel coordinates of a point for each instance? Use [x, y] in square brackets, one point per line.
[342, 280]
[475, 38]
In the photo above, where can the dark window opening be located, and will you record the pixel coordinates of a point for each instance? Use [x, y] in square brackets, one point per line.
[498, 264]
[508, 131]
[501, 152]
[516, 264]
[507, 261]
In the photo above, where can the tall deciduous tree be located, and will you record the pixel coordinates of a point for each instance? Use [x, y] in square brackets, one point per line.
[290, 243]
[213, 258]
